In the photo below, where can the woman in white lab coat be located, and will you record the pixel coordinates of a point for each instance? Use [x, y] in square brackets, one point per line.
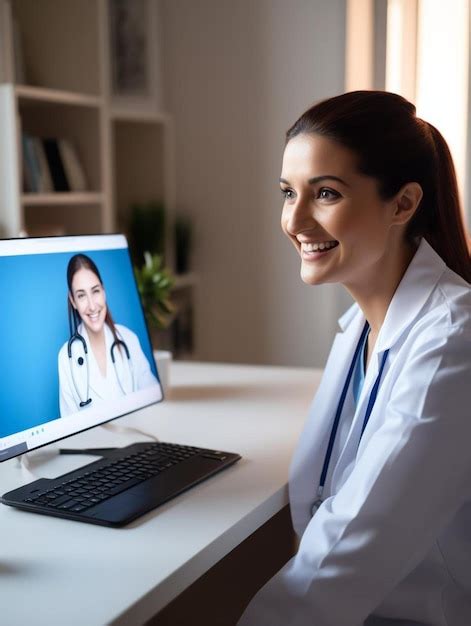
[380, 483]
[87, 373]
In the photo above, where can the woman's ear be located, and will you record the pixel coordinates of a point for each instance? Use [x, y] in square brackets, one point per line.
[406, 203]
[72, 301]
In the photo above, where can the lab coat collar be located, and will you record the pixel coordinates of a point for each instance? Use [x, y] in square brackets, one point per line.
[82, 330]
[348, 316]
[415, 288]
[417, 284]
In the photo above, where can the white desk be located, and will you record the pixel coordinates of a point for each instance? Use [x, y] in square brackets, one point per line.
[55, 571]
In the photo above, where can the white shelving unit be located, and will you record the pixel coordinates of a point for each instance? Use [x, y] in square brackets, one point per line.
[125, 144]
[71, 198]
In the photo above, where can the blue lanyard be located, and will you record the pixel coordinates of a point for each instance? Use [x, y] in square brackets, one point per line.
[369, 408]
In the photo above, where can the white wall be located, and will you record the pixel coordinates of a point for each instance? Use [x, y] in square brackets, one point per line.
[237, 75]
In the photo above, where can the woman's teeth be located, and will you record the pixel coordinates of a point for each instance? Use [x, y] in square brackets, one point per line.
[316, 247]
[94, 317]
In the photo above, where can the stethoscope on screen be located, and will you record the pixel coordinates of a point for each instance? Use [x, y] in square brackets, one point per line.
[79, 362]
[369, 408]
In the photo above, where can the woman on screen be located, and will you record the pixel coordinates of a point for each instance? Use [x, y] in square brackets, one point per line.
[101, 360]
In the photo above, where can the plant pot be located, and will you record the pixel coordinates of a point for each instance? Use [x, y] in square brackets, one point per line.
[163, 360]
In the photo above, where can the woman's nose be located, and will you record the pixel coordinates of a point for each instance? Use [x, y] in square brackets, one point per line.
[91, 304]
[299, 217]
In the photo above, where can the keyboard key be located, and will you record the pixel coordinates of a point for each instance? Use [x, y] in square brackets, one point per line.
[37, 494]
[60, 500]
[123, 487]
[68, 505]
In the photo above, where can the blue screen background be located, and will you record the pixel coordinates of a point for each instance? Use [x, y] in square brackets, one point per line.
[34, 326]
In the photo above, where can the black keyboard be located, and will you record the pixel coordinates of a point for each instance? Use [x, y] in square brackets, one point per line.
[123, 486]
[90, 488]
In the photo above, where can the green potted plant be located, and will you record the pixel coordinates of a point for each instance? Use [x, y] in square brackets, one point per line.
[155, 283]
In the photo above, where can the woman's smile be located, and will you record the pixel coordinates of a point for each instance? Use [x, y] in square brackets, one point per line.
[94, 317]
[318, 250]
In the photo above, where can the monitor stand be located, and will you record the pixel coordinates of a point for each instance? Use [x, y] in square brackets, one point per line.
[27, 462]
[24, 460]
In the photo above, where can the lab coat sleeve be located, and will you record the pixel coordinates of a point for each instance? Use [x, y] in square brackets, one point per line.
[409, 481]
[67, 403]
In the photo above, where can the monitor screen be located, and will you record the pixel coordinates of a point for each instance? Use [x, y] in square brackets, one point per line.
[75, 349]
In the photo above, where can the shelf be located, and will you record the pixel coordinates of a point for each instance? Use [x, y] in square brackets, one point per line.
[125, 114]
[185, 280]
[55, 199]
[55, 96]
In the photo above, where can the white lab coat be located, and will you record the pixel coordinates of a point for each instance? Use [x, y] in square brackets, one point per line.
[392, 539]
[102, 388]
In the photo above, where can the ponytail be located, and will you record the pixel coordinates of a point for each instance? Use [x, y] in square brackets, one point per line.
[439, 216]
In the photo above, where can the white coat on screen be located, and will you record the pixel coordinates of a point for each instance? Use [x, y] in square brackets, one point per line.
[102, 388]
[391, 543]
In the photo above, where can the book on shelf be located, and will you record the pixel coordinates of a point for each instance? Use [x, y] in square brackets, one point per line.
[56, 166]
[36, 175]
[72, 166]
[51, 165]
[28, 184]
[31, 171]
[45, 179]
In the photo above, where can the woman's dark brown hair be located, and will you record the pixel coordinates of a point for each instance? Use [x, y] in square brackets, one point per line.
[396, 147]
[77, 262]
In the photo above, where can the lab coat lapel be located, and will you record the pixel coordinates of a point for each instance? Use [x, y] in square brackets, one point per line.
[309, 456]
[415, 288]
[98, 383]
[348, 452]
[417, 284]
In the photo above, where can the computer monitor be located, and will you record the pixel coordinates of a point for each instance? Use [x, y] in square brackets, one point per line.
[74, 346]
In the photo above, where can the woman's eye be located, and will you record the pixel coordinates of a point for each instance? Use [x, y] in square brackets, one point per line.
[287, 194]
[331, 194]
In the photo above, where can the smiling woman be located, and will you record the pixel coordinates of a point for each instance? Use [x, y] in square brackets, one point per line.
[380, 483]
[101, 360]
